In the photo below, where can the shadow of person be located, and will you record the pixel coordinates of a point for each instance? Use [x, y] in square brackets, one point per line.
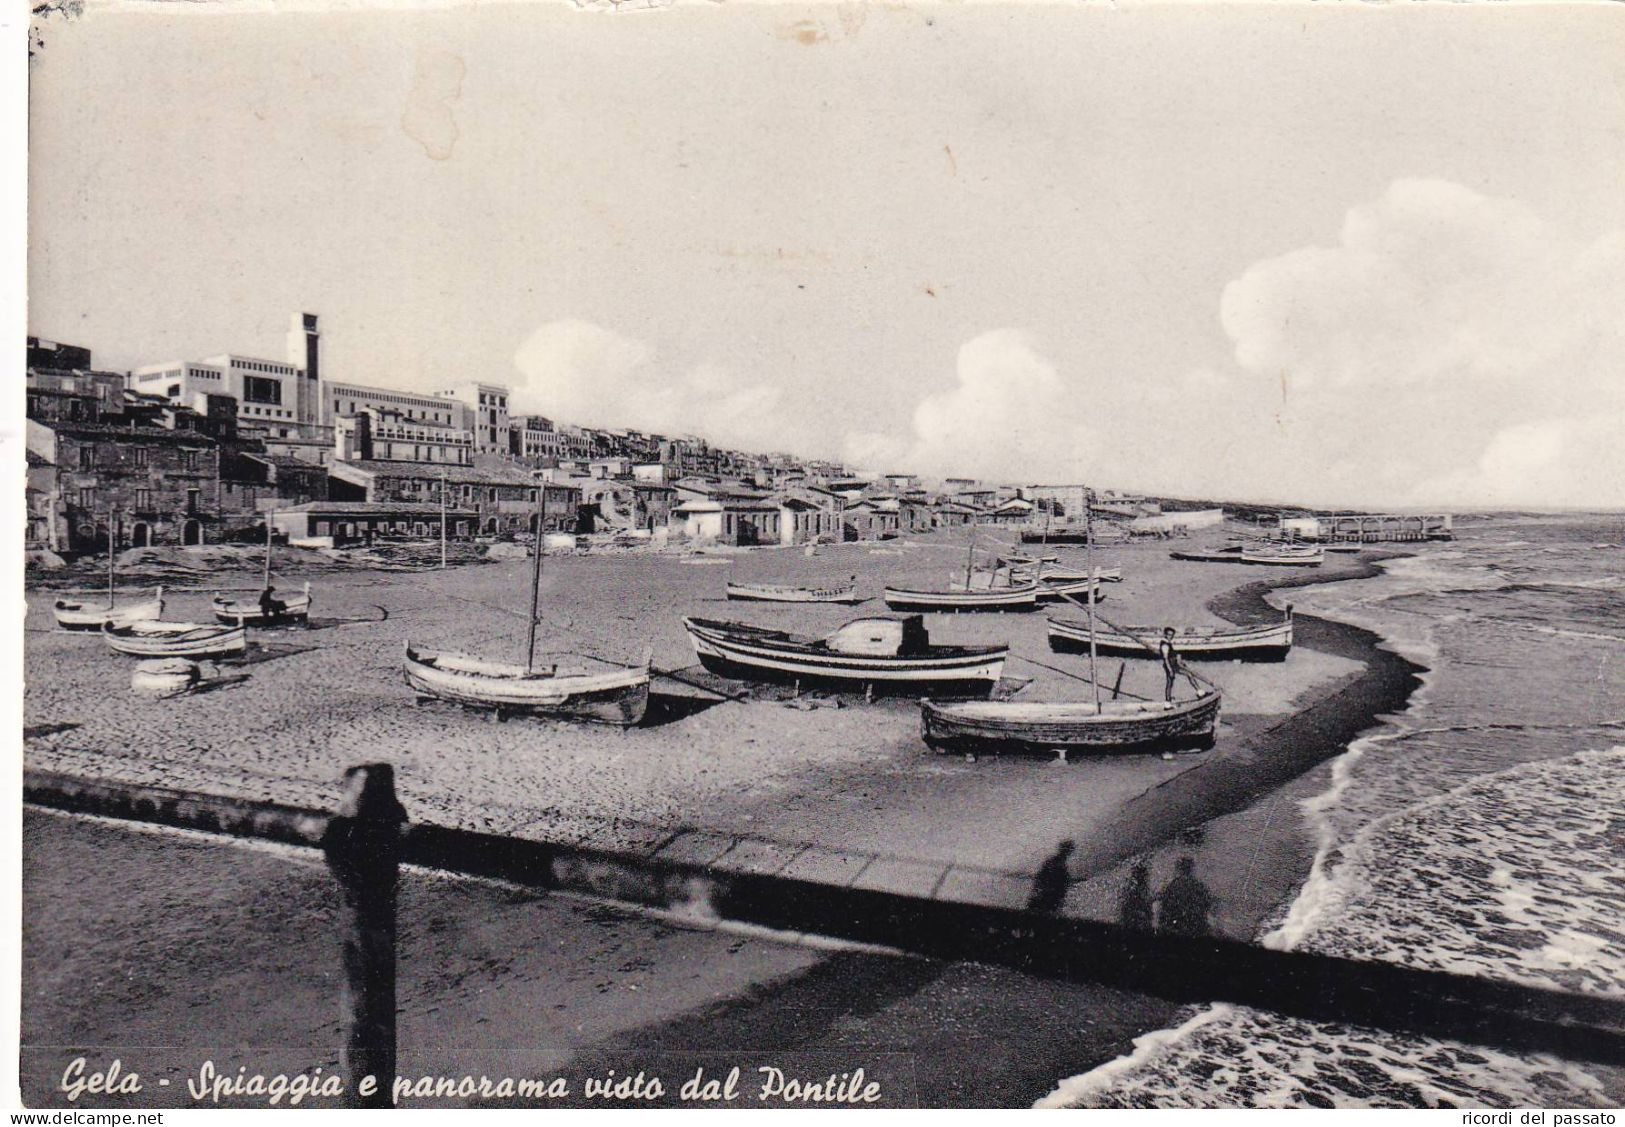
[1051, 882]
[1134, 905]
[1184, 904]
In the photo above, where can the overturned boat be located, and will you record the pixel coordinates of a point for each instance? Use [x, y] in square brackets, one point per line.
[995, 727]
[789, 593]
[618, 695]
[175, 639]
[77, 616]
[1270, 642]
[295, 608]
[883, 654]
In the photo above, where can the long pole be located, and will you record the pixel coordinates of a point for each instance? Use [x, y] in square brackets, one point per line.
[110, 554]
[970, 555]
[267, 549]
[363, 846]
[442, 520]
[1089, 551]
[535, 585]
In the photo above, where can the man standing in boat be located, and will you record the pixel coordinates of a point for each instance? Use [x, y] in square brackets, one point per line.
[1171, 661]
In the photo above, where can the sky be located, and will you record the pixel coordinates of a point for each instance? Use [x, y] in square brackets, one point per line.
[1370, 256]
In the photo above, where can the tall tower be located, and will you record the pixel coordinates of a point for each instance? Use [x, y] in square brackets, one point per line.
[304, 353]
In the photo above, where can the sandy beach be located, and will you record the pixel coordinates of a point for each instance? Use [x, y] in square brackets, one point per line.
[840, 791]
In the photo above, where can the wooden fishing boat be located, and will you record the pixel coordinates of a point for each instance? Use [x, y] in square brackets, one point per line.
[1281, 555]
[618, 695]
[1216, 643]
[987, 599]
[882, 654]
[785, 593]
[175, 639]
[77, 616]
[615, 694]
[992, 727]
[1052, 574]
[1223, 555]
[296, 608]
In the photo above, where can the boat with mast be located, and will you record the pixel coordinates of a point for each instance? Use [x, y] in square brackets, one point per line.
[616, 694]
[79, 617]
[246, 612]
[965, 596]
[1114, 725]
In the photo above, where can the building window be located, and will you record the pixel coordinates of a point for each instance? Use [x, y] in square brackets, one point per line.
[87, 497]
[189, 460]
[143, 500]
[259, 390]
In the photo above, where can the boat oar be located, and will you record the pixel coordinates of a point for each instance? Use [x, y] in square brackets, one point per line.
[671, 675]
[1183, 665]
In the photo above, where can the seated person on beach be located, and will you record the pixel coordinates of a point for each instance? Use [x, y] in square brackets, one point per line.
[1170, 661]
[270, 605]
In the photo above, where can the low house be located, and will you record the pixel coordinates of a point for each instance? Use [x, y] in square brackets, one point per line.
[700, 521]
[869, 519]
[805, 521]
[349, 522]
[953, 514]
[505, 496]
[1014, 511]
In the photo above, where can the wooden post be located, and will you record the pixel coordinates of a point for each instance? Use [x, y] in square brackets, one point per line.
[363, 847]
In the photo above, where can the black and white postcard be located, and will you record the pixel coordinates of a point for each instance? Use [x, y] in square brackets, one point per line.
[862, 555]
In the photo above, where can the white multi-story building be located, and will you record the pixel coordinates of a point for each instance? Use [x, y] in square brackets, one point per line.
[389, 436]
[534, 437]
[340, 399]
[486, 414]
[275, 397]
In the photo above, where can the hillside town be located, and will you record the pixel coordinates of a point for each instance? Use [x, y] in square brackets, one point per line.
[192, 452]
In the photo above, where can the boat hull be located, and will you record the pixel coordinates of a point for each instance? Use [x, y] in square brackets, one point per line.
[972, 673]
[176, 639]
[619, 697]
[1269, 643]
[1002, 599]
[250, 614]
[997, 727]
[75, 616]
[768, 593]
[1270, 559]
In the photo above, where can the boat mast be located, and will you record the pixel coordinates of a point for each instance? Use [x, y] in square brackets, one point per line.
[970, 554]
[535, 585]
[443, 520]
[1089, 551]
[109, 559]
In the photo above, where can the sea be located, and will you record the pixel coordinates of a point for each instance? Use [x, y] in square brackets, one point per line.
[1481, 831]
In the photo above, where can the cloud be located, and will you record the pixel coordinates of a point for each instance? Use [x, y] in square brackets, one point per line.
[577, 372]
[1450, 346]
[1009, 416]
